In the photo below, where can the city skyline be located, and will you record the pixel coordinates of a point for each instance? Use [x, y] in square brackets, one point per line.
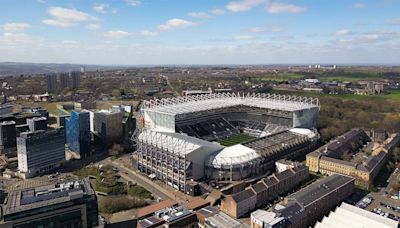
[133, 32]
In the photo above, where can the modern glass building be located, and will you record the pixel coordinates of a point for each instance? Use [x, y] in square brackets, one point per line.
[7, 135]
[78, 133]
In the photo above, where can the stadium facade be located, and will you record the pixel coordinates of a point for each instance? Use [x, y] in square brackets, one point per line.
[185, 138]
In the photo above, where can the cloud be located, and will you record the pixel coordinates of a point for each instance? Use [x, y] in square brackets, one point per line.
[65, 14]
[244, 5]
[342, 32]
[117, 34]
[148, 33]
[244, 37]
[199, 15]
[176, 23]
[13, 27]
[41, 1]
[133, 3]
[284, 8]
[65, 18]
[282, 37]
[70, 42]
[256, 30]
[217, 11]
[60, 24]
[100, 8]
[393, 21]
[93, 26]
[359, 6]
[10, 39]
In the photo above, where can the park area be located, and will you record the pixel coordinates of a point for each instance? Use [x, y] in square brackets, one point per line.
[114, 193]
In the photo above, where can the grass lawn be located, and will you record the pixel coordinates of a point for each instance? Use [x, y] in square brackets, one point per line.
[236, 139]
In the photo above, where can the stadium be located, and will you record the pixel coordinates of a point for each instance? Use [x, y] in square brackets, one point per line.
[222, 137]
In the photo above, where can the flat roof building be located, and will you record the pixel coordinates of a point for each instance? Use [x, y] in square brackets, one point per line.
[222, 220]
[71, 204]
[37, 123]
[40, 152]
[108, 126]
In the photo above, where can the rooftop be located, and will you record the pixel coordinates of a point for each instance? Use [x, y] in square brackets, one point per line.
[222, 220]
[271, 144]
[42, 196]
[232, 155]
[243, 195]
[178, 143]
[207, 211]
[188, 104]
[320, 188]
[348, 216]
[266, 217]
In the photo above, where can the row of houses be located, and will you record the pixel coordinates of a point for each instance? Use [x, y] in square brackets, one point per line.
[259, 194]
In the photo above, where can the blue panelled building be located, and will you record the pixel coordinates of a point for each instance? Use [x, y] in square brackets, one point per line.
[78, 137]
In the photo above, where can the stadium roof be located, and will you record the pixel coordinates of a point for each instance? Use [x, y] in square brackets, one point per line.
[347, 216]
[233, 155]
[188, 104]
[175, 142]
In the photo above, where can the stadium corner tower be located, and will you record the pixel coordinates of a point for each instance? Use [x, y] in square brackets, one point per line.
[222, 137]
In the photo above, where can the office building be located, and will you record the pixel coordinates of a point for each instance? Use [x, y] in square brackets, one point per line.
[37, 123]
[306, 206]
[78, 136]
[76, 79]
[349, 216]
[108, 126]
[40, 152]
[64, 80]
[7, 136]
[72, 204]
[51, 80]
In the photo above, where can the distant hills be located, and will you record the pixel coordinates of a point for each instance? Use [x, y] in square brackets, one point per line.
[13, 68]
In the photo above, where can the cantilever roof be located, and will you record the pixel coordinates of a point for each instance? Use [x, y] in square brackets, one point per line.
[175, 142]
[188, 104]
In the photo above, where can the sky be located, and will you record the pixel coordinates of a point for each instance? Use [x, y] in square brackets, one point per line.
[159, 32]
